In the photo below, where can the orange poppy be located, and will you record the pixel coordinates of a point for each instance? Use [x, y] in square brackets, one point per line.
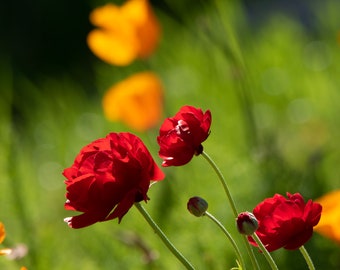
[4, 251]
[2, 232]
[124, 33]
[137, 101]
[329, 224]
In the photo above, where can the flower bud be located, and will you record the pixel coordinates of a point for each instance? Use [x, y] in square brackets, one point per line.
[197, 206]
[246, 223]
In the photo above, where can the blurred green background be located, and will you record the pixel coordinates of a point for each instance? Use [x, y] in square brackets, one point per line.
[267, 70]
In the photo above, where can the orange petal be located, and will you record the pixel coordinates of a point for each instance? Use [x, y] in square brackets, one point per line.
[136, 11]
[136, 101]
[106, 16]
[116, 41]
[125, 32]
[146, 23]
[117, 48]
[149, 36]
[330, 216]
[2, 232]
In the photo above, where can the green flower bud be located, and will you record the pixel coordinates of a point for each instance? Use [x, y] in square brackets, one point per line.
[197, 206]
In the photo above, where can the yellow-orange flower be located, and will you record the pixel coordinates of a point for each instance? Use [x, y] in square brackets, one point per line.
[2, 232]
[329, 224]
[124, 32]
[4, 251]
[137, 101]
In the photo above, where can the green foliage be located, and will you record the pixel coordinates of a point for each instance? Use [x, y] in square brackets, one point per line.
[273, 93]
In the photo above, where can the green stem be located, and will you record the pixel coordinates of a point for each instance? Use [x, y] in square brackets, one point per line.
[219, 224]
[223, 182]
[265, 252]
[163, 237]
[251, 253]
[232, 204]
[307, 258]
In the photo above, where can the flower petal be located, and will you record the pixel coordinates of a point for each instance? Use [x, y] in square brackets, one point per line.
[125, 33]
[286, 223]
[106, 181]
[117, 48]
[2, 232]
[330, 218]
[136, 101]
[180, 137]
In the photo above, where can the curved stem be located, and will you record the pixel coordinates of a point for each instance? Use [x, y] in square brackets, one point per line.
[265, 252]
[163, 237]
[307, 258]
[232, 204]
[219, 224]
[223, 182]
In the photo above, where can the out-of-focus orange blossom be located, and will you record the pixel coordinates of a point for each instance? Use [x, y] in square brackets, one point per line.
[329, 224]
[4, 251]
[124, 32]
[136, 101]
[2, 232]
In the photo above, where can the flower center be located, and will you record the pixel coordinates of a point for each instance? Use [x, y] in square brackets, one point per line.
[182, 128]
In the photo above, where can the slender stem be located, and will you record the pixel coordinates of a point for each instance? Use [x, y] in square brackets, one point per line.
[219, 224]
[265, 252]
[251, 253]
[223, 182]
[232, 204]
[163, 237]
[307, 258]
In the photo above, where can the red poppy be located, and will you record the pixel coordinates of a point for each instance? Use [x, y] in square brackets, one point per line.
[108, 176]
[286, 223]
[180, 137]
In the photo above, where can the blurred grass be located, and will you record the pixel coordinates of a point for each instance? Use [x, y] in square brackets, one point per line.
[273, 90]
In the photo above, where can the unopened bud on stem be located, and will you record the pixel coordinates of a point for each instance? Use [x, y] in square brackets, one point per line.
[246, 223]
[197, 206]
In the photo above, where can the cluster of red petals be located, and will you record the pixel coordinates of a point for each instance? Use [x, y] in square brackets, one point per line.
[108, 176]
[286, 222]
[180, 137]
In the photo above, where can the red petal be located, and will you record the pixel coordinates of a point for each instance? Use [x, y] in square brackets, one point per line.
[85, 219]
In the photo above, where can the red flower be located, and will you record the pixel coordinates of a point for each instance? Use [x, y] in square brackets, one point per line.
[108, 176]
[286, 223]
[181, 137]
